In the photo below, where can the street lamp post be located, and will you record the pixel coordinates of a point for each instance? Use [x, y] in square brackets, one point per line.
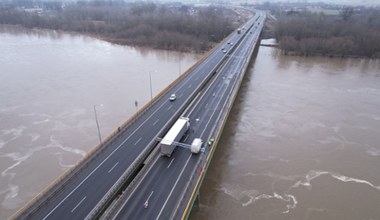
[179, 65]
[150, 82]
[97, 123]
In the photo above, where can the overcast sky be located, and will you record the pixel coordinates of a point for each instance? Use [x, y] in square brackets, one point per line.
[350, 2]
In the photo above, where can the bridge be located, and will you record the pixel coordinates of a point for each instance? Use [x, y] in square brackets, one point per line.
[126, 177]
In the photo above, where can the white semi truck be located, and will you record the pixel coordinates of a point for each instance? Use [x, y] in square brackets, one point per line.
[174, 135]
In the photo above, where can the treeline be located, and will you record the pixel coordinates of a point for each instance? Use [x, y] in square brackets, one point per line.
[177, 27]
[351, 33]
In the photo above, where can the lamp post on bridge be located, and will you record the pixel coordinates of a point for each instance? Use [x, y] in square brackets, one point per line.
[97, 123]
[150, 83]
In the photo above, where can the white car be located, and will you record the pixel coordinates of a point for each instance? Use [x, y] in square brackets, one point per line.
[172, 97]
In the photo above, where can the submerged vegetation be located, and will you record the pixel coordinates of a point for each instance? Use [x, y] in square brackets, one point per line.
[174, 27]
[353, 33]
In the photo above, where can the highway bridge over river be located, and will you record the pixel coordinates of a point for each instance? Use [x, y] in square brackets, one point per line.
[126, 177]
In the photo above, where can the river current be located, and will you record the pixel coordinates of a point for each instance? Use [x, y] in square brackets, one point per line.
[302, 143]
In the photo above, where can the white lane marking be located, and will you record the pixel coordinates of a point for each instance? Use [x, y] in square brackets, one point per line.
[170, 163]
[187, 136]
[206, 62]
[138, 141]
[170, 107]
[156, 122]
[109, 171]
[78, 204]
[180, 95]
[175, 184]
[150, 196]
[189, 86]
[146, 203]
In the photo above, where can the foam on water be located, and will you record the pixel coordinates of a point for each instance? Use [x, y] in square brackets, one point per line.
[12, 190]
[2, 143]
[55, 143]
[41, 122]
[340, 142]
[273, 176]
[355, 180]
[315, 174]
[373, 152]
[61, 163]
[336, 129]
[10, 109]
[248, 197]
[308, 178]
[370, 116]
[15, 132]
[271, 158]
[42, 115]
[34, 137]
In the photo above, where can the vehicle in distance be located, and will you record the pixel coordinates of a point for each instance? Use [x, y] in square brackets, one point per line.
[174, 135]
[196, 145]
[173, 97]
[210, 141]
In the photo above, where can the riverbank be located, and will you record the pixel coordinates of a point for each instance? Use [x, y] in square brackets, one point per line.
[310, 34]
[175, 27]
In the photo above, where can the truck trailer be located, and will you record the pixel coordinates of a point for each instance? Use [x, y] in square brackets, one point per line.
[174, 135]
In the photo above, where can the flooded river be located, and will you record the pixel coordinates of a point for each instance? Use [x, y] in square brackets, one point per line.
[302, 143]
[49, 84]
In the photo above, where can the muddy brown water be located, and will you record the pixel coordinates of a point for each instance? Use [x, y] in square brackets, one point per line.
[302, 142]
[49, 84]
